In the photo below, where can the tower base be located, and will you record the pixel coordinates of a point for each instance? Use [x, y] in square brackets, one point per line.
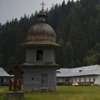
[15, 96]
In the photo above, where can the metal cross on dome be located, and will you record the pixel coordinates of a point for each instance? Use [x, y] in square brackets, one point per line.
[43, 4]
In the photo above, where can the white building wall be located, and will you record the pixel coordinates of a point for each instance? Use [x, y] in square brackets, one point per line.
[83, 79]
[60, 80]
[97, 80]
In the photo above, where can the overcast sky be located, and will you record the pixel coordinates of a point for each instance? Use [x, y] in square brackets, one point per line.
[16, 8]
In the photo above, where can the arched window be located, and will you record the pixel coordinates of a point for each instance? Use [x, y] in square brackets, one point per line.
[39, 55]
[93, 79]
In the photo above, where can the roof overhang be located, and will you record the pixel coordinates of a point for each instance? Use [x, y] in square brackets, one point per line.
[40, 65]
[34, 44]
[66, 76]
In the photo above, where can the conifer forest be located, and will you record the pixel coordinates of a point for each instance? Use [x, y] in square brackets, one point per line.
[77, 26]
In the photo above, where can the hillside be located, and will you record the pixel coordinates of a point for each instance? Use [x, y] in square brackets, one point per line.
[77, 25]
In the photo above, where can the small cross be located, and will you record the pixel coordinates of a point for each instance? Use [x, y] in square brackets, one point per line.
[42, 4]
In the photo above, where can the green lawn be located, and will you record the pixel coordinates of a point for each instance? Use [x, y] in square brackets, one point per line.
[62, 93]
[67, 93]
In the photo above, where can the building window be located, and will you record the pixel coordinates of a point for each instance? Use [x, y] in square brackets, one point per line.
[39, 55]
[80, 70]
[89, 79]
[79, 79]
[66, 80]
[2, 80]
[93, 79]
[84, 79]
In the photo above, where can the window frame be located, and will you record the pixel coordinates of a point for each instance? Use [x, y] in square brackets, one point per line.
[39, 55]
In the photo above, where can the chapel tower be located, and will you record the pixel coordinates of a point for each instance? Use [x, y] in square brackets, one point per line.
[40, 67]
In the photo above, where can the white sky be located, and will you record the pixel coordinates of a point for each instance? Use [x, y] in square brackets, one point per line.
[16, 8]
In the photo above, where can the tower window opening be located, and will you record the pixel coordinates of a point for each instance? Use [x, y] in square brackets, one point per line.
[39, 55]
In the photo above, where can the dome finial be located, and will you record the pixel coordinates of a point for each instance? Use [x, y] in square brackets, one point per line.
[43, 4]
[42, 15]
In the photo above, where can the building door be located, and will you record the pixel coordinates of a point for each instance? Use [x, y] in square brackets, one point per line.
[44, 81]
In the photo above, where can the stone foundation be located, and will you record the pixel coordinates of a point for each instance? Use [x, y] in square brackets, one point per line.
[15, 96]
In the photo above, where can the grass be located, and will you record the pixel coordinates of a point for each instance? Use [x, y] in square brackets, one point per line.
[67, 93]
[3, 91]
[62, 93]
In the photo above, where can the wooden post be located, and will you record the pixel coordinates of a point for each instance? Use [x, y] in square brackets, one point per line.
[16, 71]
[10, 85]
[15, 83]
[19, 85]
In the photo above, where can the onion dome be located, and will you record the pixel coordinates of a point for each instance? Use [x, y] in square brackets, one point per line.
[41, 31]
